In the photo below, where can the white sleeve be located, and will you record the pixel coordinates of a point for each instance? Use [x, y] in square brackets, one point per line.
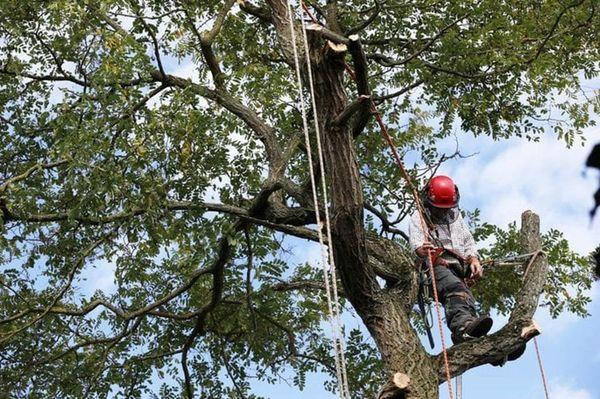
[415, 232]
[469, 244]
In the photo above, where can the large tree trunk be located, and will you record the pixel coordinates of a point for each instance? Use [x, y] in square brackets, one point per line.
[383, 312]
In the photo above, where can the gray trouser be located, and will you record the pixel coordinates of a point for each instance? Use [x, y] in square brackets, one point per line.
[456, 297]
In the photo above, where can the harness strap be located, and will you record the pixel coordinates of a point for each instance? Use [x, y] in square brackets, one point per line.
[421, 298]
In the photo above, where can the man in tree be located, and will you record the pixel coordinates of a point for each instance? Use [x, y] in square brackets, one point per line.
[453, 254]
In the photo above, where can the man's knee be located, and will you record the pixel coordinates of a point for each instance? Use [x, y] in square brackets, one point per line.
[460, 300]
[456, 288]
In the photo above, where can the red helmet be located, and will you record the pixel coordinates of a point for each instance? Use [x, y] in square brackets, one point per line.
[442, 192]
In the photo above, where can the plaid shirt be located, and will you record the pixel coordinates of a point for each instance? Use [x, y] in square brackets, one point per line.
[455, 236]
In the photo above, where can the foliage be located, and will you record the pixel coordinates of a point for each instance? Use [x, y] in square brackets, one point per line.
[108, 169]
[569, 276]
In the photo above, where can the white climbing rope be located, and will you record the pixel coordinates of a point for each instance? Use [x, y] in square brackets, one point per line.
[327, 260]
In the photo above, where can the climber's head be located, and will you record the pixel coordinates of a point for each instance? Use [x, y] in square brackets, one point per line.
[441, 192]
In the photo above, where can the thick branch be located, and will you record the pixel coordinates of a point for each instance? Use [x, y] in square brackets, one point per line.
[352, 108]
[328, 34]
[361, 76]
[206, 41]
[259, 12]
[265, 133]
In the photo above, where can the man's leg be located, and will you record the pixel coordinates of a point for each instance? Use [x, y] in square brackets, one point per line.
[459, 304]
[456, 298]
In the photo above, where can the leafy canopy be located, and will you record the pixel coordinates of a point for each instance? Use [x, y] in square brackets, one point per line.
[117, 137]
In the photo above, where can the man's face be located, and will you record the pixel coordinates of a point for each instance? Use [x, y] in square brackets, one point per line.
[439, 213]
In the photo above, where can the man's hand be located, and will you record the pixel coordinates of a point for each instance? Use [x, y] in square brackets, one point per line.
[476, 268]
[423, 249]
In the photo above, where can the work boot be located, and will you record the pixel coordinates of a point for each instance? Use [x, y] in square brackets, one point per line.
[514, 355]
[474, 329]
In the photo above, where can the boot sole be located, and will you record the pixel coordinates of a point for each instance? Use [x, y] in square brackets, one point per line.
[482, 327]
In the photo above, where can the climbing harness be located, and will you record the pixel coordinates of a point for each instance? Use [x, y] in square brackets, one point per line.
[329, 273]
[424, 293]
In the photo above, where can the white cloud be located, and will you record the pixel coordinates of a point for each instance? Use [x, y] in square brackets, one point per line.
[545, 177]
[566, 391]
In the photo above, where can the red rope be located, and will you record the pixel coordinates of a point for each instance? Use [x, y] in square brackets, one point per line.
[415, 195]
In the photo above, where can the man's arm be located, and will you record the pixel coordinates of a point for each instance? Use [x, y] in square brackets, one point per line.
[417, 239]
[470, 251]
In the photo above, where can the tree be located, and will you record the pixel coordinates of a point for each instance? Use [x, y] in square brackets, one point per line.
[187, 185]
